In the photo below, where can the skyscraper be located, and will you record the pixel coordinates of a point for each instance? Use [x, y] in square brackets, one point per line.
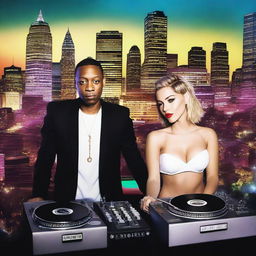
[219, 65]
[237, 78]
[196, 76]
[249, 47]
[197, 57]
[172, 60]
[133, 69]
[109, 45]
[39, 59]
[56, 81]
[67, 63]
[155, 46]
[13, 79]
[12, 87]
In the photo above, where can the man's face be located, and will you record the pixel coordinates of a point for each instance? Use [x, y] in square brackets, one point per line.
[89, 84]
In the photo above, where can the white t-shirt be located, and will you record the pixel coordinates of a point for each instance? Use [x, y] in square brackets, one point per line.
[88, 172]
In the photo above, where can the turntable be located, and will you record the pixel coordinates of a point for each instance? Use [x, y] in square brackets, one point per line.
[198, 218]
[64, 227]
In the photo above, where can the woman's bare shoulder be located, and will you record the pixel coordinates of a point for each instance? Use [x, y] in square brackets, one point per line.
[207, 132]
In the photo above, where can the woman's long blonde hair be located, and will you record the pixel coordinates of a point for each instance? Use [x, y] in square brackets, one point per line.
[180, 85]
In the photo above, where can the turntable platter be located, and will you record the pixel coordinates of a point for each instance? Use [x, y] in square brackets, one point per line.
[197, 206]
[61, 215]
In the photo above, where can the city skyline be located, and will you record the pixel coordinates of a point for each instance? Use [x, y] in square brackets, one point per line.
[184, 31]
[109, 51]
[230, 110]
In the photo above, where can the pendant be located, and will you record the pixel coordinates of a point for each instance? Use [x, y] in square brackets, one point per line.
[89, 159]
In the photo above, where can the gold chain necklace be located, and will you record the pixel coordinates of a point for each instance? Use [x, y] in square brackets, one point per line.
[89, 158]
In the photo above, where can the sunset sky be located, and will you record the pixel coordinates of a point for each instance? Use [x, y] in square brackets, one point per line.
[190, 23]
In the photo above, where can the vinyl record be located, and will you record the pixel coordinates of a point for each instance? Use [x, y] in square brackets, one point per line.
[197, 206]
[61, 215]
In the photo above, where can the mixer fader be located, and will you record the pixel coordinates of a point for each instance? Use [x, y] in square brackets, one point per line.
[124, 222]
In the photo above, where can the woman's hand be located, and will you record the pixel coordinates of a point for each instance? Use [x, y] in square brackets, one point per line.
[35, 199]
[145, 201]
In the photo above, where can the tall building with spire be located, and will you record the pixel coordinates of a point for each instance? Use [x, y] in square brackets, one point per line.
[155, 46]
[67, 63]
[219, 64]
[133, 68]
[38, 79]
[109, 51]
[249, 48]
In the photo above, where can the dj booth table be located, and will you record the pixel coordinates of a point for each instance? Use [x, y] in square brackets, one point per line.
[239, 246]
[20, 244]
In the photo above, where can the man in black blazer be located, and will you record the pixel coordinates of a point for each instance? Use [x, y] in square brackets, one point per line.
[60, 137]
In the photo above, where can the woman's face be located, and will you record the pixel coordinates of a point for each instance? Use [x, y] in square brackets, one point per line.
[171, 104]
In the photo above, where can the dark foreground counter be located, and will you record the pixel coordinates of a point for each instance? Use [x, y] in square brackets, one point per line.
[152, 247]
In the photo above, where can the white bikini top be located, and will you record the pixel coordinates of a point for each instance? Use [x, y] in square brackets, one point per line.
[170, 164]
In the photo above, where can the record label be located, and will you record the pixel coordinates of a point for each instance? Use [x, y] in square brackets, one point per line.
[196, 202]
[62, 211]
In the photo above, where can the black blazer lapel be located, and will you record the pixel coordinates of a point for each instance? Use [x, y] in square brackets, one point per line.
[73, 128]
[103, 143]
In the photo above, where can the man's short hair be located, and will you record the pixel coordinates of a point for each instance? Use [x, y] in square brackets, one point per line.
[89, 61]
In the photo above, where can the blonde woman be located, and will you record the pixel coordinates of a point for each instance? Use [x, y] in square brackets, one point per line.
[178, 155]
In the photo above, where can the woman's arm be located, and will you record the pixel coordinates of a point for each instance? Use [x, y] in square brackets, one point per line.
[212, 170]
[152, 161]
